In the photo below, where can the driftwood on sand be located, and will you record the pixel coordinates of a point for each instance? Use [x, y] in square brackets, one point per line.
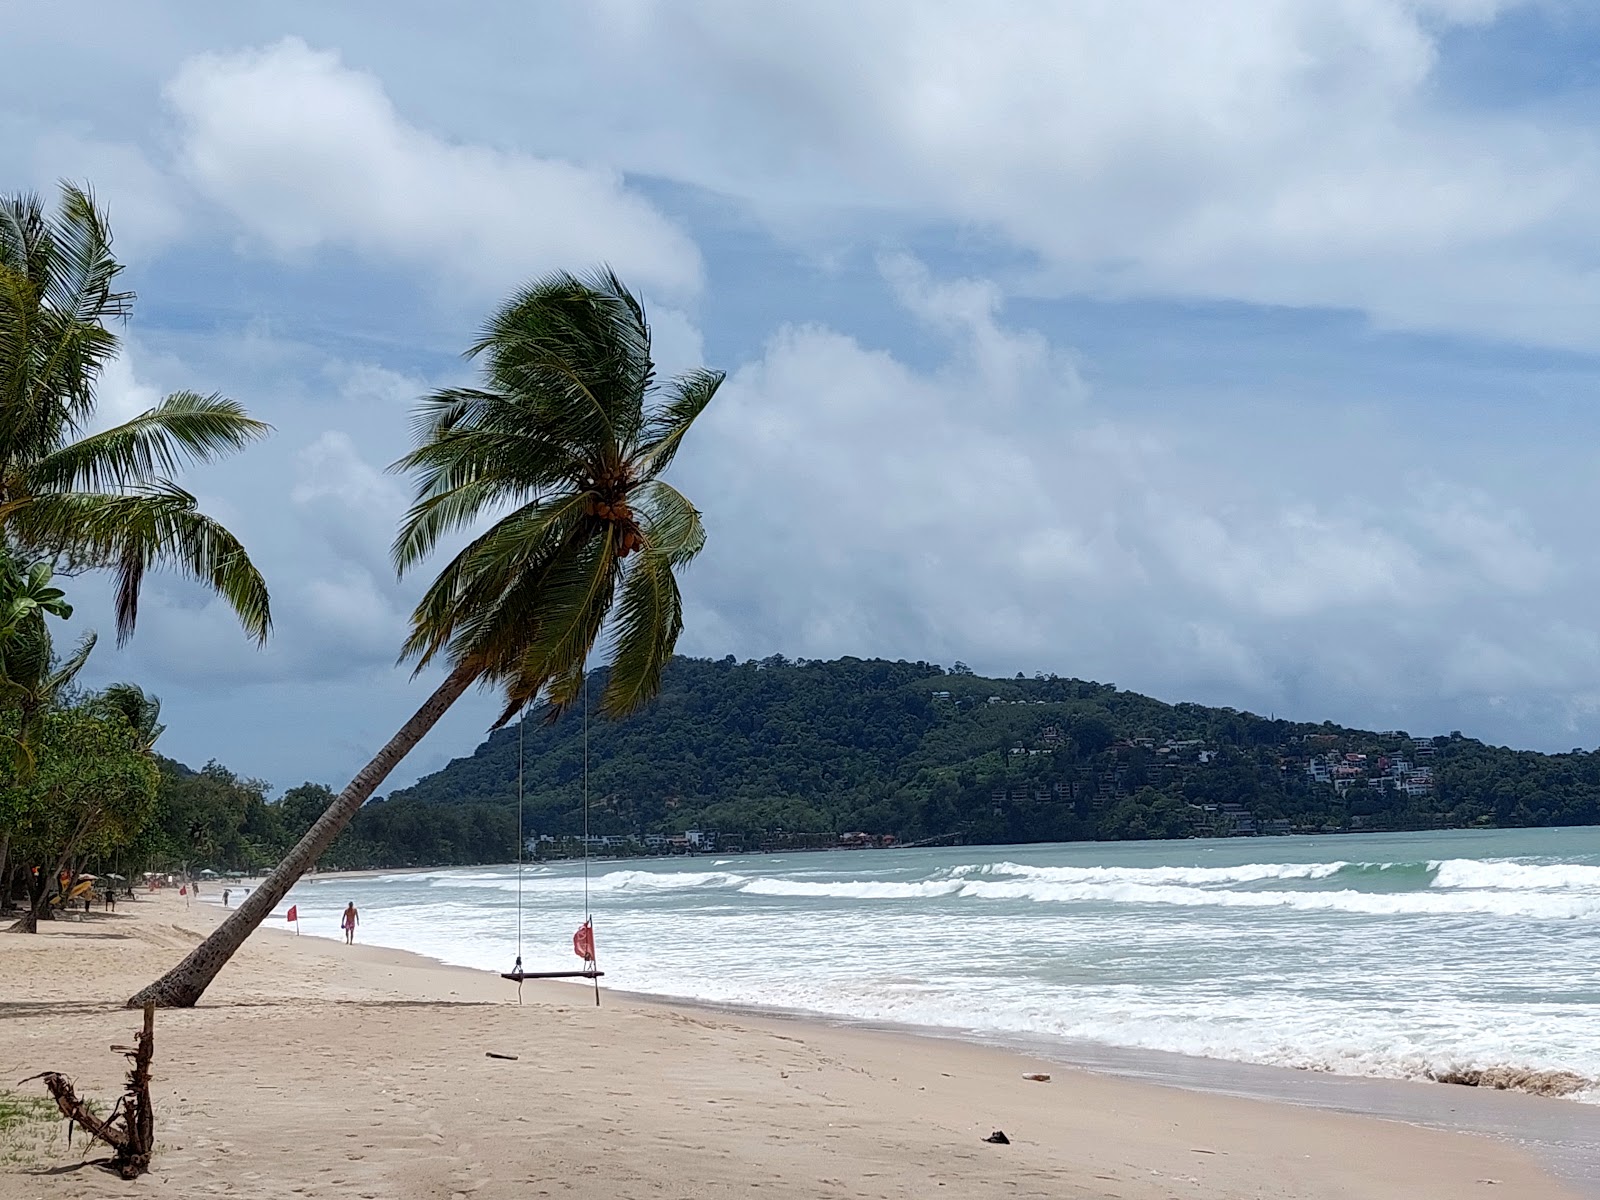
[130, 1130]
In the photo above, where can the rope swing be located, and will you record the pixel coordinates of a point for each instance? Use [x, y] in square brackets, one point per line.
[583, 939]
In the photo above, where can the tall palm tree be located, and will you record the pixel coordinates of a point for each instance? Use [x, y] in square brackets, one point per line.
[101, 499]
[562, 449]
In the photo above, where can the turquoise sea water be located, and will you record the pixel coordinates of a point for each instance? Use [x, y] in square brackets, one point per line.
[1388, 955]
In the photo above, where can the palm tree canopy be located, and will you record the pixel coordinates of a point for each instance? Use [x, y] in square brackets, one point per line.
[107, 498]
[138, 709]
[562, 450]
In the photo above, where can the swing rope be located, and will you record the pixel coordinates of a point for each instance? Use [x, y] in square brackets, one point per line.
[585, 935]
[586, 918]
[522, 719]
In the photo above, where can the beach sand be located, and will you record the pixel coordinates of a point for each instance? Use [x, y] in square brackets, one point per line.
[317, 1070]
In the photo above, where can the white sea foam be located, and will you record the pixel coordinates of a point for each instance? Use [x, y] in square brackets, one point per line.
[620, 881]
[1503, 874]
[1117, 888]
[1498, 904]
[853, 889]
[1198, 876]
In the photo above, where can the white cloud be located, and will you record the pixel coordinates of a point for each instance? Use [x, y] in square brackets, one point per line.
[859, 505]
[1272, 151]
[1278, 534]
[309, 155]
[146, 203]
[347, 502]
[121, 395]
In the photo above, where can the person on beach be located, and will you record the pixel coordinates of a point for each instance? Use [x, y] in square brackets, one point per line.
[224, 897]
[348, 922]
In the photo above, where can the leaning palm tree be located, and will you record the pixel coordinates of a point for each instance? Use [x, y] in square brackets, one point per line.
[562, 448]
[103, 499]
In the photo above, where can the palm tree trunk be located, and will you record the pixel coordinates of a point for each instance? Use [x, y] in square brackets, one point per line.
[185, 983]
[5, 880]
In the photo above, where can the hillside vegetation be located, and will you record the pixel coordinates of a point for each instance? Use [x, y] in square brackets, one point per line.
[782, 753]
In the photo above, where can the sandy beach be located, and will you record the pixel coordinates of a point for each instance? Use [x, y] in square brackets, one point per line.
[313, 1069]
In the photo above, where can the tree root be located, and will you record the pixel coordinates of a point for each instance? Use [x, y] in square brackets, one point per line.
[130, 1130]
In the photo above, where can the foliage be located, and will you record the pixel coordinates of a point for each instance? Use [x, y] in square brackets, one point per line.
[30, 678]
[751, 749]
[213, 818]
[571, 434]
[774, 750]
[92, 791]
[102, 498]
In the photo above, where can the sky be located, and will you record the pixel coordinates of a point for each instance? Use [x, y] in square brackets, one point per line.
[1243, 353]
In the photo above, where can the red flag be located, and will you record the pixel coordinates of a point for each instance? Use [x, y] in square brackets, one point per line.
[583, 942]
[183, 891]
[294, 913]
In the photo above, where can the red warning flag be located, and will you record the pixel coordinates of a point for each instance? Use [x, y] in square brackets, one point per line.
[183, 891]
[583, 942]
[293, 913]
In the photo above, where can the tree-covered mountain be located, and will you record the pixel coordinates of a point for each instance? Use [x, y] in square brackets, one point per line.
[781, 753]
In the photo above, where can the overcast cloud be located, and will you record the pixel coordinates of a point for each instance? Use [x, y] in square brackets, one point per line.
[1241, 353]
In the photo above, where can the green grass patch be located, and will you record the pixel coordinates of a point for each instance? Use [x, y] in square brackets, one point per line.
[29, 1126]
[17, 1111]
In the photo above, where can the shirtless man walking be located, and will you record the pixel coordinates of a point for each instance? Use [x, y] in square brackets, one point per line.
[348, 922]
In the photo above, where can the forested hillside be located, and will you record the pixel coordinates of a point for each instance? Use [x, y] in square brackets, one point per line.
[790, 753]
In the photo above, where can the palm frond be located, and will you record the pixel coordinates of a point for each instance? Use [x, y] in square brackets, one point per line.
[663, 430]
[576, 354]
[157, 525]
[518, 547]
[648, 622]
[138, 709]
[671, 525]
[184, 428]
[505, 609]
[67, 670]
[574, 598]
[76, 291]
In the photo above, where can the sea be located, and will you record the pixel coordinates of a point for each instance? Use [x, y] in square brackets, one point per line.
[1284, 967]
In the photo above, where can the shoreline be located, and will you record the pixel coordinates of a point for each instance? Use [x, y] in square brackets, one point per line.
[1566, 1141]
[790, 1103]
[1542, 1081]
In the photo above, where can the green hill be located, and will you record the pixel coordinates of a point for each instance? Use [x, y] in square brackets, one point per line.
[780, 753]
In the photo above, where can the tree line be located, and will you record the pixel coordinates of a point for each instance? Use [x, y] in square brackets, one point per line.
[758, 751]
[912, 750]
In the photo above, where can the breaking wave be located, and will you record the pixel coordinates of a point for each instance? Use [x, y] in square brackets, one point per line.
[635, 881]
[1198, 876]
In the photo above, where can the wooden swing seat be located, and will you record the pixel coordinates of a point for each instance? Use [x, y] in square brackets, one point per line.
[519, 976]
